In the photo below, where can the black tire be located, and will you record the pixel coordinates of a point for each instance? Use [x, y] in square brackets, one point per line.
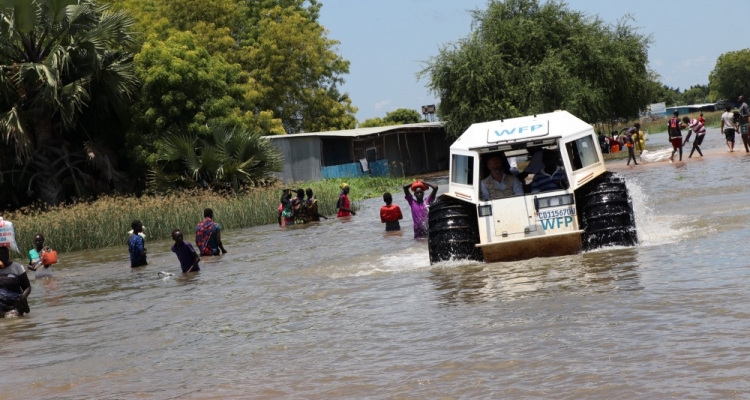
[454, 231]
[605, 213]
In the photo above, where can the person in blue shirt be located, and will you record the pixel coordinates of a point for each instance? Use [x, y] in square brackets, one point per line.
[185, 253]
[551, 177]
[137, 245]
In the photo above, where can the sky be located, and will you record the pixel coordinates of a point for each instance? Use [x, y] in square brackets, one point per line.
[388, 41]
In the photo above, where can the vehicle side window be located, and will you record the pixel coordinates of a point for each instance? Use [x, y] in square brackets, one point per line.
[462, 170]
[582, 152]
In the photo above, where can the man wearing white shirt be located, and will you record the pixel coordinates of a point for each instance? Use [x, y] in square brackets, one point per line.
[500, 183]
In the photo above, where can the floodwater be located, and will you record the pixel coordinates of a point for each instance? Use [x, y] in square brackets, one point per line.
[342, 310]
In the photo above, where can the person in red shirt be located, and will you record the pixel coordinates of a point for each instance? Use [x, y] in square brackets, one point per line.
[343, 204]
[390, 214]
[702, 120]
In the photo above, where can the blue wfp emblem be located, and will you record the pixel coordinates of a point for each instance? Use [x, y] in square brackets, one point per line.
[519, 130]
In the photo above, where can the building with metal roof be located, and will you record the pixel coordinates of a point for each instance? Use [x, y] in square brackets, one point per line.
[692, 108]
[398, 150]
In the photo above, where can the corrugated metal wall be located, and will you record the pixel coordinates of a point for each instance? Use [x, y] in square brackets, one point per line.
[301, 158]
[405, 152]
[393, 155]
[377, 168]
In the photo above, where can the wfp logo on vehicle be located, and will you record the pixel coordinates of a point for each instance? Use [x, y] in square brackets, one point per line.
[519, 130]
[556, 223]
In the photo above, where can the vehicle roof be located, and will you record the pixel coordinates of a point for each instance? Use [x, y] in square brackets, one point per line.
[554, 124]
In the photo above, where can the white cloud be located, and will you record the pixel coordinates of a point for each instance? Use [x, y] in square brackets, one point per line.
[694, 62]
[381, 104]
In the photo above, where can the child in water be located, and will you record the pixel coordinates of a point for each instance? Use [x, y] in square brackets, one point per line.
[185, 253]
[137, 245]
[390, 214]
[39, 257]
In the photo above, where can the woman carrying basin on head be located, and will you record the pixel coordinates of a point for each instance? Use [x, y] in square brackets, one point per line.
[420, 206]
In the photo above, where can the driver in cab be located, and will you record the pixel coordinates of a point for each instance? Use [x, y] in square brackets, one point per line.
[500, 183]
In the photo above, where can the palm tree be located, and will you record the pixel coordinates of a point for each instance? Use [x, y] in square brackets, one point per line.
[228, 158]
[60, 59]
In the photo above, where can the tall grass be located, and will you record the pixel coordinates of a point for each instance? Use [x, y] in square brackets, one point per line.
[106, 221]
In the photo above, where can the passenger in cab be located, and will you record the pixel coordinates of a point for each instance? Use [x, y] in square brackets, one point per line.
[552, 177]
[500, 183]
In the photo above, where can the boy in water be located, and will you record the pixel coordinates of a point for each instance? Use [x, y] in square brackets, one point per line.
[728, 127]
[208, 235]
[390, 214]
[419, 206]
[185, 253]
[675, 135]
[37, 255]
[286, 214]
[299, 208]
[137, 245]
[312, 206]
[696, 126]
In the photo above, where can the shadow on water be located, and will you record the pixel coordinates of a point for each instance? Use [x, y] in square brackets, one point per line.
[599, 271]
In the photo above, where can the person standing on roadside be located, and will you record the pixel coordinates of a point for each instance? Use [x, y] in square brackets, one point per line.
[675, 135]
[630, 137]
[702, 120]
[743, 122]
[700, 131]
[728, 127]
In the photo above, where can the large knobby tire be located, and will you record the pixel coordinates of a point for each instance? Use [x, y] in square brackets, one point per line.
[454, 231]
[605, 213]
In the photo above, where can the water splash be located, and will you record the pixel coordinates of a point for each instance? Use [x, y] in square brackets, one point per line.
[654, 229]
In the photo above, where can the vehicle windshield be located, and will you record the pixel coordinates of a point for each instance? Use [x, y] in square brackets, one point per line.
[521, 171]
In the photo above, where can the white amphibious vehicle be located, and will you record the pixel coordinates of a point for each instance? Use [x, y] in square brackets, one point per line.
[523, 209]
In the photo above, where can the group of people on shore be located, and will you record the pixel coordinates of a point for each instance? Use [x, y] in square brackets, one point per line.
[731, 123]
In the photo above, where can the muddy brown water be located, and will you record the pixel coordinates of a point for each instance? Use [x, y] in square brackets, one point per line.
[342, 310]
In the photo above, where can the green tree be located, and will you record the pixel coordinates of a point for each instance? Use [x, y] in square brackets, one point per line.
[403, 116]
[697, 94]
[374, 122]
[62, 61]
[227, 158]
[730, 77]
[185, 89]
[279, 43]
[525, 57]
[660, 93]
[294, 61]
[396, 117]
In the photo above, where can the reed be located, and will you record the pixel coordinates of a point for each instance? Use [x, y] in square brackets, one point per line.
[106, 221]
